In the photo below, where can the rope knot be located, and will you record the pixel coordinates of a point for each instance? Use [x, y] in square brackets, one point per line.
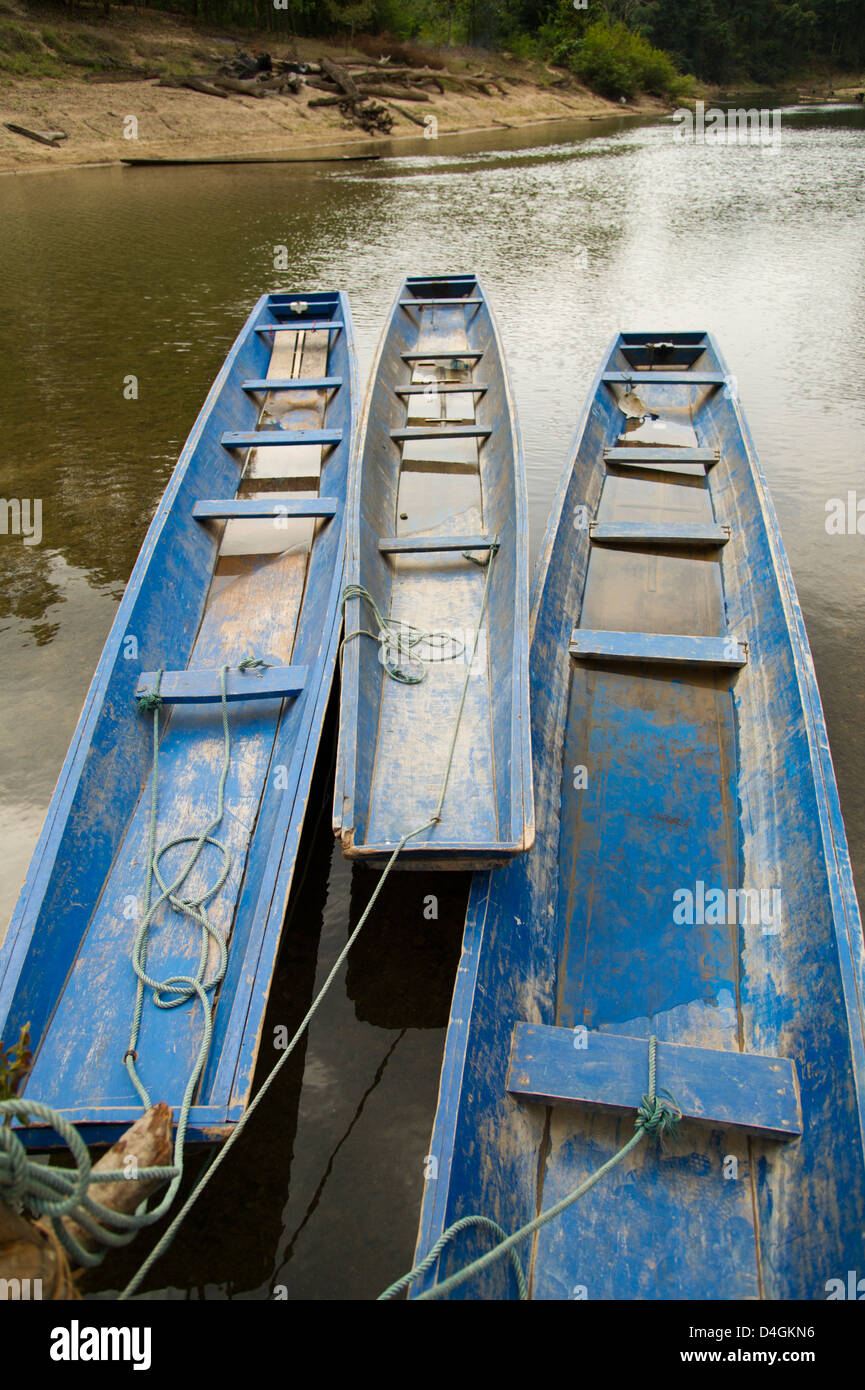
[254, 665]
[655, 1115]
[657, 1112]
[149, 701]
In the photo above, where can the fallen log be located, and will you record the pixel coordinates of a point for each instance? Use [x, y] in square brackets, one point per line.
[42, 137]
[283, 82]
[408, 115]
[118, 75]
[343, 79]
[146, 1144]
[243, 87]
[396, 75]
[318, 84]
[194, 84]
[398, 92]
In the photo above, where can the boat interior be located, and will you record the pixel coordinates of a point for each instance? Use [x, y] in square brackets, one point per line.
[440, 502]
[244, 560]
[690, 881]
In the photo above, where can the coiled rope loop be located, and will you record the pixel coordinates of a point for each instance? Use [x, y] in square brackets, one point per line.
[404, 650]
[58, 1192]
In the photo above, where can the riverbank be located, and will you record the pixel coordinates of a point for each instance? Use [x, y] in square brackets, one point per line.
[109, 104]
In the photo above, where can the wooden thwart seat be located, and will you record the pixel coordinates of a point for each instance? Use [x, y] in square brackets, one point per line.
[653, 533]
[441, 356]
[741, 1090]
[302, 326]
[662, 377]
[648, 455]
[257, 439]
[252, 508]
[440, 432]
[409, 545]
[293, 383]
[440, 388]
[203, 686]
[590, 644]
[449, 301]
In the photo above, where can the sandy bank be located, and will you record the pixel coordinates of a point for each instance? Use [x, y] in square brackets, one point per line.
[108, 120]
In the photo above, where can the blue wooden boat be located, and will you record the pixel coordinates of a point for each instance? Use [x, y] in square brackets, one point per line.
[233, 609]
[690, 881]
[438, 567]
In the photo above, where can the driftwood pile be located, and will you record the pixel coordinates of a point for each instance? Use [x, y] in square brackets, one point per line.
[356, 88]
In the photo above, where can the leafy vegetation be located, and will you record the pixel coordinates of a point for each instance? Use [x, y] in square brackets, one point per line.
[15, 1065]
[617, 47]
[615, 61]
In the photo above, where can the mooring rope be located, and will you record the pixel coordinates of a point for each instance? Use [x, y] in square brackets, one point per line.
[654, 1116]
[56, 1193]
[168, 1235]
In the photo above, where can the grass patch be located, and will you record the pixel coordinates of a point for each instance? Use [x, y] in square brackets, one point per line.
[83, 48]
[22, 53]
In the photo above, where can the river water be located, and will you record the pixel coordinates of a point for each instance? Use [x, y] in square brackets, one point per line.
[577, 231]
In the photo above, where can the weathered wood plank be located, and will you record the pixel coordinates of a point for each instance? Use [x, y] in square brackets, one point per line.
[299, 325]
[193, 687]
[661, 377]
[441, 388]
[588, 644]
[653, 533]
[250, 507]
[299, 383]
[468, 354]
[413, 432]
[451, 302]
[722, 1088]
[429, 545]
[649, 455]
[260, 439]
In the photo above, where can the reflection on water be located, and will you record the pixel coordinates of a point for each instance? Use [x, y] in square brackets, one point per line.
[114, 274]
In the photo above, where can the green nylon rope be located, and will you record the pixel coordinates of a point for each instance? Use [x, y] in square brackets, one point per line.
[654, 1116]
[63, 1192]
[176, 990]
[58, 1192]
[170, 1232]
[405, 649]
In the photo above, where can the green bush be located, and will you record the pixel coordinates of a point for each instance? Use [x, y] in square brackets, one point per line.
[616, 62]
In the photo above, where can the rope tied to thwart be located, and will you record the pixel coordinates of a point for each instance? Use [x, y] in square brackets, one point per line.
[657, 1114]
[405, 650]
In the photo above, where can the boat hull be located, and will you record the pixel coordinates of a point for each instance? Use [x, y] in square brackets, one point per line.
[656, 785]
[439, 539]
[244, 557]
